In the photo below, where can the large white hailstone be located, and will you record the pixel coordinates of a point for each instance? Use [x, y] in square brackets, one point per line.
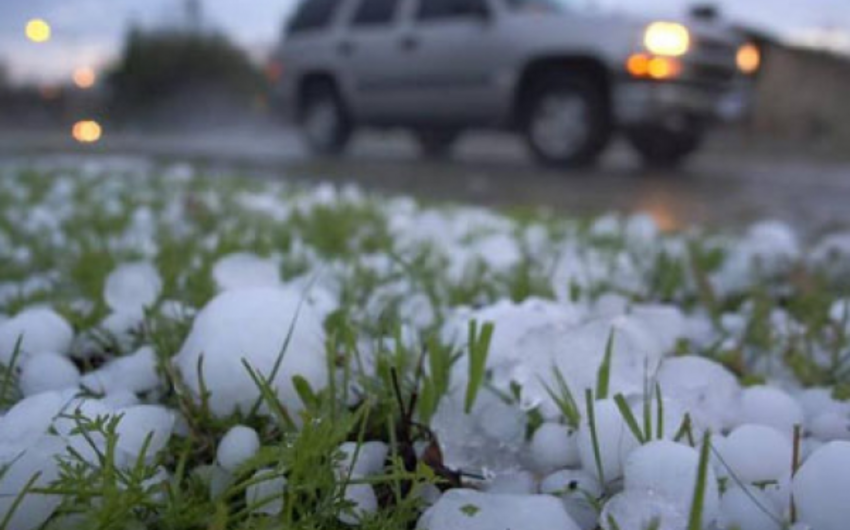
[669, 469]
[34, 509]
[755, 453]
[578, 351]
[252, 325]
[830, 426]
[821, 486]
[141, 424]
[640, 510]
[47, 371]
[370, 459]
[576, 489]
[772, 407]
[704, 388]
[511, 322]
[554, 446]
[244, 270]
[486, 440]
[236, 447]
[40, 330]
[817, 401]
[265, 494]
[462, 509]
[131, 287]
[30, 418]
[615, 441]
[750, 509]
[133, 373]
[363, 502]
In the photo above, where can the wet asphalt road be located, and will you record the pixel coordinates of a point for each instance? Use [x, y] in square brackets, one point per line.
[726, 185]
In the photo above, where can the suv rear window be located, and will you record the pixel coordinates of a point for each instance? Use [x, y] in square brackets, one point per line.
[313, 14]
[374, 12]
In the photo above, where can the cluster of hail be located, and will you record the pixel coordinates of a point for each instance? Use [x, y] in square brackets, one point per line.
[780, 449]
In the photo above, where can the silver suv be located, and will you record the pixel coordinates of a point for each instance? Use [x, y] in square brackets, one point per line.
[564, 77]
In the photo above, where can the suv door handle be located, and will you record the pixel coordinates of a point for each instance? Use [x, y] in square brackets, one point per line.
[345, 48]
[408, 43]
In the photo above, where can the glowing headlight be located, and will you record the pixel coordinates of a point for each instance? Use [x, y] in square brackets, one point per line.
[749, 58]
[667, 38]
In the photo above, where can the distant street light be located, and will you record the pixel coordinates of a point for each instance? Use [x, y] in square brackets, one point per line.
[38, 30]
[87, 131]
[85, 77]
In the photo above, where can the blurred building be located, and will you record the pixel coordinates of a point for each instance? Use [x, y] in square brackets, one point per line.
[801, 96]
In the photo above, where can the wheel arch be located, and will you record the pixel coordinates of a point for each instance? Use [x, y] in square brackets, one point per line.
[586, 66]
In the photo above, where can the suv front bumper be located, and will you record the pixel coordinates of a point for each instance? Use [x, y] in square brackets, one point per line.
[671, 103]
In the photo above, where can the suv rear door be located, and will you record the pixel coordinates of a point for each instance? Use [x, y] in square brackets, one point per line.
[368, 59]
[454, 54]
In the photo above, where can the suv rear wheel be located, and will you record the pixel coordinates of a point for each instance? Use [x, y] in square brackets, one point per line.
[325, 124]
[566, 121]
[664, 148]
[436, 143]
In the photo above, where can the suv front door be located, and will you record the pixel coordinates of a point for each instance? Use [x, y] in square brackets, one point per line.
[452, 52]
[368, 60]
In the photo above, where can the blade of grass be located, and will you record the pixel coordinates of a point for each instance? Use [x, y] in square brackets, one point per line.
[629, 417]
[698, 503]
[603, 376]
[594, 438]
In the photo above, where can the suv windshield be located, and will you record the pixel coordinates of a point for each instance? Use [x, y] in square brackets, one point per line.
[549, 5]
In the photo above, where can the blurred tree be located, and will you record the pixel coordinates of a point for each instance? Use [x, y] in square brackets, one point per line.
[174, 75]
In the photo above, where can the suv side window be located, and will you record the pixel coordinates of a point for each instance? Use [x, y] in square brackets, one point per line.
[374, 12]
[313, 14]
[442, 9]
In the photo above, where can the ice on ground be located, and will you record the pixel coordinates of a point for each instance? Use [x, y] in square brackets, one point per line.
[705, 389]
[514, 483]
[370, 459]
[266, 492]
[640, 510]
[754, 453]
[487, 440]
[363, 502]
[462, 509]
[47, 371]
[136, 373]
[554, 446]
[244, 270]
[40, 330]
[576, 489]
[749, 509]
[30, 418]
[771, 406]
[34, 468]
[669, 470]
[821, 486]
[131, 287]
[144, 428]
[236, 447]
[251, 326]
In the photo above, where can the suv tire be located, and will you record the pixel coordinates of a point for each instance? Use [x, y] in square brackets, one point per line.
[566, 120]
[664, 148]
[325, 124]
[436, 143]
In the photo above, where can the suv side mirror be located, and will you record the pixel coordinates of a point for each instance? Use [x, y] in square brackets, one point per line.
[477, 9]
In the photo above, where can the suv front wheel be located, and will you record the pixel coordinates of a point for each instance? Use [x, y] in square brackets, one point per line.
[566, 120]
[325, 124]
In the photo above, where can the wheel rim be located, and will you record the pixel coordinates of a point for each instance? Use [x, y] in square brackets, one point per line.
[321, 122]
[560, 124]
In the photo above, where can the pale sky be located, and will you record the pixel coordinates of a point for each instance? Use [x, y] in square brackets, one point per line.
[88, 32]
